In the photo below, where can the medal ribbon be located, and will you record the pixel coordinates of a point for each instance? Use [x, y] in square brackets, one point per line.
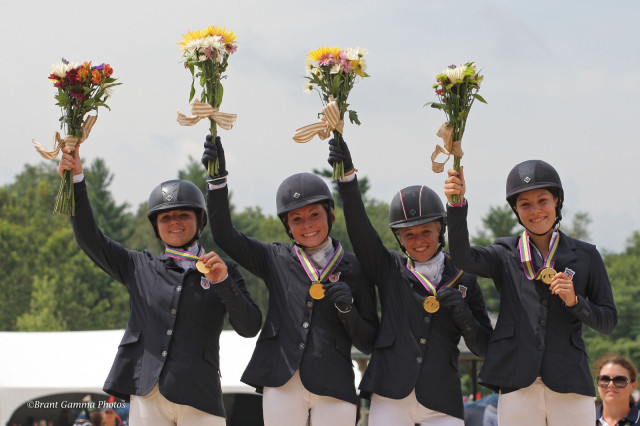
[427, 283]
[311, 270]
[527, 259]
[183, 254]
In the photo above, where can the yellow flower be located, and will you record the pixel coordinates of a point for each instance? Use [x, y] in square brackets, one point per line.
[322, 53]
[228, 37]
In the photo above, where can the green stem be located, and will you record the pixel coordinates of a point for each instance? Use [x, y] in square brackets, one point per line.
[210, 88]
[213, 166]
[338, 168]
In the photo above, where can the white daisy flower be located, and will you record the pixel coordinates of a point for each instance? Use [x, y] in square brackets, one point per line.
[455, 74]
[353, 54]
[308, 88]
[61, 69]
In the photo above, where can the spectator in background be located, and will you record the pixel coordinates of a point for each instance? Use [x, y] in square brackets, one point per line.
[617, 380]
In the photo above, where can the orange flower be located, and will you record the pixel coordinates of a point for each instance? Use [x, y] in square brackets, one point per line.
[81, 75]
[96, 77]
[107, 70]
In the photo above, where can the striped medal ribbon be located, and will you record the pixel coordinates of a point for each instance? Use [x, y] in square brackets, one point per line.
[185, 255]
[546, 273]
[316, 291]
[431, 303]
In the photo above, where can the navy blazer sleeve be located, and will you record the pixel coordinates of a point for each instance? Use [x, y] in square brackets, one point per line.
[111, 256]
[476, 330]
[244, 314]
[375, 258]
[249, 252]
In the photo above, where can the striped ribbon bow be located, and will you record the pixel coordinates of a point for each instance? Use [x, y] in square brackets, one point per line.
[202, 110]
[70, 141]
[450, 148]
[329, 121]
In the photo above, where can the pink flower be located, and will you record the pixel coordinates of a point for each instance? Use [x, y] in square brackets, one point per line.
[231, 48]
[345, 64]
[326, 59]
[208, 52]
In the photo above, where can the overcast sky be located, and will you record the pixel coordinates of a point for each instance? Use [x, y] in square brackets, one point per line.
[561, 82]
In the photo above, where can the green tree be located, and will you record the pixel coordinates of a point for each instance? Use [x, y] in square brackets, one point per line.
[578, 228]
[25, 223]
[114, 219]
[43, 314]
[624, 274]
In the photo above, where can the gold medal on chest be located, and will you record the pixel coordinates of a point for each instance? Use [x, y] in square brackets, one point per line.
[201, 267]
[316, 291]
[431, 304]
[547, 275]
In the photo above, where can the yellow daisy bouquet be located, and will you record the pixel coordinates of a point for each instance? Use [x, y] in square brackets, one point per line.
[332, 72]
[208, 51]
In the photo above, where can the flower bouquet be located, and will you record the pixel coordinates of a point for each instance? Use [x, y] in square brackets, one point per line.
[332, 72]
[81, 88]
[208, 50]
[457, 87]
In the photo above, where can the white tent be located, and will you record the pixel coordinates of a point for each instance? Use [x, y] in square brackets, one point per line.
[37, 364]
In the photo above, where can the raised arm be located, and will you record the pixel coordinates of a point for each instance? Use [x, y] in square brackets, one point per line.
[372, 254]
[247, 251]
[111, 256]
[483, 261]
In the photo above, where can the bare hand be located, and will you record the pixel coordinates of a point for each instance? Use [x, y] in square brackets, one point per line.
[563, 287]
[454, 185]
[70, 161]
[217, 267]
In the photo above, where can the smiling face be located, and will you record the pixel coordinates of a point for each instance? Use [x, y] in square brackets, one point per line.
[309, 225]
[421, 241]
[612, 394]
[537, 210]
[176, 227]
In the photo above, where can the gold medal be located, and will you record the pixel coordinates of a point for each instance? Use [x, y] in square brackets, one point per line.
[316, 291]
[431, 304]
[547, 275]
[201, 267]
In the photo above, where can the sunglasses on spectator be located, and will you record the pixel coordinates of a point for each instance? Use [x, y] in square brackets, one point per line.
[618, 381]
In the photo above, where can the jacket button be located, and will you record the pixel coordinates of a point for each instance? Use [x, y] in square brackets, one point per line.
[301, 346]
[423, 341]
[179, 288]
[427, 320]
[305, 325]
[173, 312]
[419, 360]
[169, 332]
[164, 354]
[309, 304]
[543, 323]
[545, 302]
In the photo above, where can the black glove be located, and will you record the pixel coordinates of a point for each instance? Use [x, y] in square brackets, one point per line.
[339, 151]
[340, 294]
[462, 316]
[213, 151]
[451, 299]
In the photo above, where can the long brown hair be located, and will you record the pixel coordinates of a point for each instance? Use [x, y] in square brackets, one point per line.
[622, 362]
